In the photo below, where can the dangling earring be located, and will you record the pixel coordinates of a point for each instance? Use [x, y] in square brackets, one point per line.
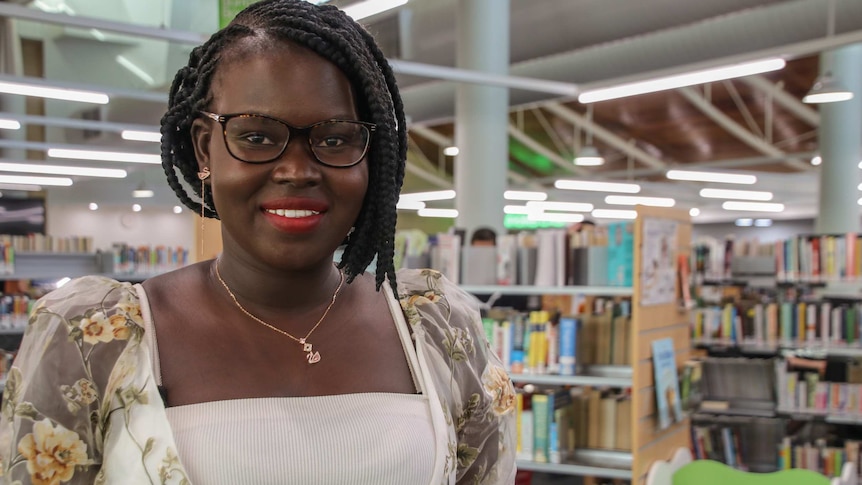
[203, 175]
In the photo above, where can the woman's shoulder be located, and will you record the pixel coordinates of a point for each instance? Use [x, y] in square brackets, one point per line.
[429, 293]
[87, 290]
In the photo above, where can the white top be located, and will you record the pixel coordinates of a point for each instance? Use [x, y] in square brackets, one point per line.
[368, 438]
[349, 439]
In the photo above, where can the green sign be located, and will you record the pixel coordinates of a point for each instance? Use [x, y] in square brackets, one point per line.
[227, 10]
[520, 221]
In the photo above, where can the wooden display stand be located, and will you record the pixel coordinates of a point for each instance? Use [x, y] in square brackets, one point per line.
[651, 323]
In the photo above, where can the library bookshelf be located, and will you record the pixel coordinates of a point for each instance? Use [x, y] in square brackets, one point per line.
[649, 322]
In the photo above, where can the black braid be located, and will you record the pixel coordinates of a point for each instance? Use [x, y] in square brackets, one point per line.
[336, 37]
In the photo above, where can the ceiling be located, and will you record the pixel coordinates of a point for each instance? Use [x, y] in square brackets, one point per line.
[754, 124]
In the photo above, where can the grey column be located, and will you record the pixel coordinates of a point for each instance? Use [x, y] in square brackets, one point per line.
[481, 115]
[840, 136]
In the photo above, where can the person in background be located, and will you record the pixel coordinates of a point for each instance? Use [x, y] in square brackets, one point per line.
[483, 236]
[272, 363]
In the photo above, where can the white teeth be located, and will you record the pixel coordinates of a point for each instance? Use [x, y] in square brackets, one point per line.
[293, 214]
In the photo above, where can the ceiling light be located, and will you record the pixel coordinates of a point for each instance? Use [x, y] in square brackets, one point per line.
[589, 157]
[62, 170]
[136, 207]
[735, 205]
[53, 93]
[518, 209]
[681, 80]
[524, 195]
[827, 90]
[614, 214]
[9, 124]
[816, 160]
[93, 206]
[560, 206]
[719, 177]
[35, 180]
[736, 194]
[694, 212]
[24, 187]
[135, 135]
[407, 204]
[555, 217]
[426, 196]
[638, 200]
[451, 151]
[360, 10]
[104, 156]
[178, 209]
[448, 213]
[744, 222]
[762, 222]
[142, 193]
[597, 186]
[859, 201]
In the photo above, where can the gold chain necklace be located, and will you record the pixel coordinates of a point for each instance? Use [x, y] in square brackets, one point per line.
[312, 356]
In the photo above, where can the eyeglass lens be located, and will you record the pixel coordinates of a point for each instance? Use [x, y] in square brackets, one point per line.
[258, 139]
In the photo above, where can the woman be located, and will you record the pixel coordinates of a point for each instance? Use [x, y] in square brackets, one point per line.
[269, 364]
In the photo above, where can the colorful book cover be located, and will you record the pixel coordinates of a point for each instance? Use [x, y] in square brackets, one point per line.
[666, 382]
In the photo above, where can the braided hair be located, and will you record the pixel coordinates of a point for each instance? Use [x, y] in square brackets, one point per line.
[336, 37]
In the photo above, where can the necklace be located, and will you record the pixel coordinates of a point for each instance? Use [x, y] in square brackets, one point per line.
[312, 356]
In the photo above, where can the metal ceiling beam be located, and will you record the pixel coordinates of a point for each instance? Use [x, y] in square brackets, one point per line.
[478, 77]
[532, 144]
[603, 134]
[736, 129]
[77, 123]
[783, 98]
[36, 15]
[735, 163]
[153, 96]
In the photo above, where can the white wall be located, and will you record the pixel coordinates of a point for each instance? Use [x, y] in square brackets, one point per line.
[149, 227]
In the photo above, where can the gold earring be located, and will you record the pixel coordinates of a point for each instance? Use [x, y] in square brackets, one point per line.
[203, 175]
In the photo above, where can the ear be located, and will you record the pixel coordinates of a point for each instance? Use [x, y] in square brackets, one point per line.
[202, 131]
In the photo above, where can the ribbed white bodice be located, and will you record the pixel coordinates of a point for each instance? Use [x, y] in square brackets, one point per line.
[348, 439]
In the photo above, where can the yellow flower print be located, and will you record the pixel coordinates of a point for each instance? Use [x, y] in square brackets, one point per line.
[499, 387]
[52, 453]
[96, 329]
[132, 309]
[118, 327]
[86, 390]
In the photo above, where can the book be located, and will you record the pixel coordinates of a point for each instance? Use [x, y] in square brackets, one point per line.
[666, 382]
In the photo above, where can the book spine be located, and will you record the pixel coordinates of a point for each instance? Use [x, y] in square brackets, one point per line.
[541, 423]
[568, 344]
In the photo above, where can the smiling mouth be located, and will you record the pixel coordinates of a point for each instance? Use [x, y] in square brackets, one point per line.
[292, 213]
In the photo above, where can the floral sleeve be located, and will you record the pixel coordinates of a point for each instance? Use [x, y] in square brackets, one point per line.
[476, 392]
[53, 410]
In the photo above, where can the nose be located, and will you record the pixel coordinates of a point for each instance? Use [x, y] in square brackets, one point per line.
[297, 165]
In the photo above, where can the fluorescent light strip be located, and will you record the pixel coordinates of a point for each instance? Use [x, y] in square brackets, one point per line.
[597, 186]
[360, 10]
[520, 209]
[614, 214]
[560, 206]
[719, 177]
[143, 193]
[451, 151]
[9, 124]
[35, 180]
[735, 205]
[53, 93]
[24, 187]
[555, 217]
[62, 170]
[427, 196]
[104, 156]
[524, 195]
[735, 194]
[762, 222]
[408, 204]
[134, 135]
[638, 200]
[681, 80]
[743, 222]
[447, 213]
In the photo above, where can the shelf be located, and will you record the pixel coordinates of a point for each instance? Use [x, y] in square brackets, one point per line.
[812, 351]
[599, 376]
[548, 290]
[587, 463]
[12, 331]
[808, 415]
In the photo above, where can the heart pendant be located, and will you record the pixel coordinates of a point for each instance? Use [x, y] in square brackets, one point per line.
[313, 358]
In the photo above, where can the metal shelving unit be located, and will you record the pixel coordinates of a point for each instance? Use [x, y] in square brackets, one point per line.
[549, 290]
[590, 463]
[596, 375]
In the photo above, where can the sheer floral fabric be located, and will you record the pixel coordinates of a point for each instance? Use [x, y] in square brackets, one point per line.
[81, 403]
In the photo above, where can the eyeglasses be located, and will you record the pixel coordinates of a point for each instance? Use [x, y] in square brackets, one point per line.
[254, 138]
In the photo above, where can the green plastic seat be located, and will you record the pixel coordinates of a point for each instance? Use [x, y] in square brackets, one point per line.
[708, 472]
